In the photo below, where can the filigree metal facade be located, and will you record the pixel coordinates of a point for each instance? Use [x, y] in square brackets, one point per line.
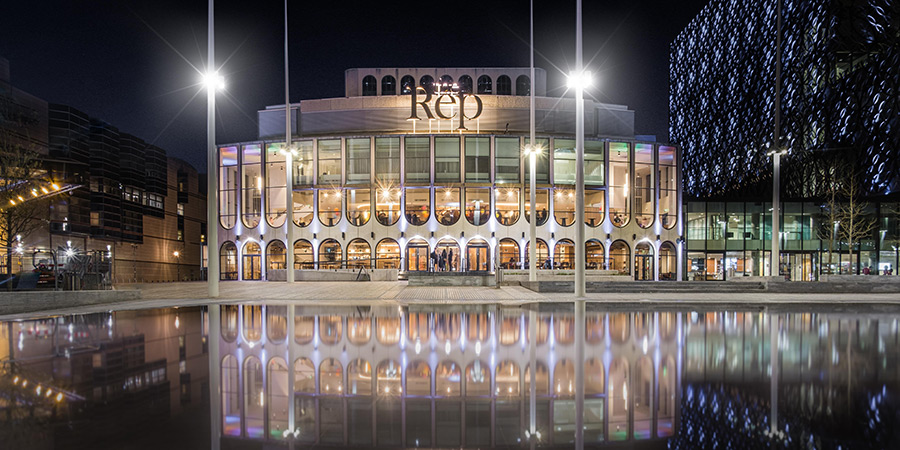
[840, 108]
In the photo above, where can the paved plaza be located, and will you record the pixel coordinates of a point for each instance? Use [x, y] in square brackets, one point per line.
[341, 293]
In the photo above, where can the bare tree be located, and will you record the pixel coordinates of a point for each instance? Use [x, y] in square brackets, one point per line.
[855, 222]
[830, 217]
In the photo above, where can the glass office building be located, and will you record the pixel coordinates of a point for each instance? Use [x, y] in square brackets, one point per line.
[394, 171]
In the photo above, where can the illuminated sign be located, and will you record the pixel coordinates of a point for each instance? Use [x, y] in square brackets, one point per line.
[455, 101]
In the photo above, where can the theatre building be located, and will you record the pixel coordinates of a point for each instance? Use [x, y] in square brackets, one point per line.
[415, 161]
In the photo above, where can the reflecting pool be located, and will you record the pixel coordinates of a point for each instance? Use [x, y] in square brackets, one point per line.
[473, 376]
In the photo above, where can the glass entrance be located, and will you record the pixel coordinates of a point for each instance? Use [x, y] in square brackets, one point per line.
[417, 255]
[802, 266]
[478, 256]
[252, 267]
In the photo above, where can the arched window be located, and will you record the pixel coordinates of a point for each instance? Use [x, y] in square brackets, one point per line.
[564, 378]
[304, 329]
[542, 331]
[303, 255]
[359, 329]
[564, 205]
[359, 206]
[523, 85]
[446, 205]
[564, 254]
[417, 326]
[619, 181]
[541, 379]
[331, 377]
[387, 205]
[388, 85]
[594, 379]
[417, 255]
[448, 255]
[446, 82]
[620, 257]
[465, 84]
[331, 328]
[278, 398]
[448, 382]
[276, 323]
[418, 205]
[668, 264]
[478, 255]
[665, 407]
[447, 327]
[330, 254]
[304, 376]
[228, 261]
[485, 85]
[276, 256]
[231, 403]
[229, 322]
[252, 185]
[507, 379]
[643, 261]
[228, 186]
[252, 261]
[359, 377]
[594, 328]
[359, 254]
[276, 186]
[387, 330]
[387, 254]
[369, 86]
[330, 206]
[510, 328]
[564, 328]
[304, 210]
[543, 253]
[506, 205]
[388, 377]
[509, 254]
[253, 322]
[504, 85]
[254, 411]
[478, 205]
[593, 253]
[644, 191]
[478, 327]
[542, 205]
[407, 84]
[668, 189]
[478, 379]
[594, 204]
[427, 83]
[619, 330]
[418, 378]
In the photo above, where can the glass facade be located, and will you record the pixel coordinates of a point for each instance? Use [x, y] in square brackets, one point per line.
[421, 187]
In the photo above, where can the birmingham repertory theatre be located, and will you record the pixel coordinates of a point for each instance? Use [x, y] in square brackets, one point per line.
[412, 162]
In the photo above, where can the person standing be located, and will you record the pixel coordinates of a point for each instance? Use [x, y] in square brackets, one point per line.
[443, 259]
[450, 260]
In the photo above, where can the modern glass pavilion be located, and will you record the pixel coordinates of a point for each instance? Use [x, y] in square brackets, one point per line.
[374, 187]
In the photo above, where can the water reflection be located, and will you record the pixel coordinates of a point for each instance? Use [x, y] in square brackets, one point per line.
[450, 376]
[461, 377]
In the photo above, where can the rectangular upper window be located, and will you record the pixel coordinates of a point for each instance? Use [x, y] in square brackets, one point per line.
[358, 160]
[418, 160]
[478, 159]
[446, 160]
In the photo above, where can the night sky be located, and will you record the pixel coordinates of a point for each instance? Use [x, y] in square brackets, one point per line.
[130, 62]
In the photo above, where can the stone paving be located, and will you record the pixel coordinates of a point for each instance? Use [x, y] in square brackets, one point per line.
[160, 295]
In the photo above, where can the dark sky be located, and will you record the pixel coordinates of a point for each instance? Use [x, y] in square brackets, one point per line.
[130, 62]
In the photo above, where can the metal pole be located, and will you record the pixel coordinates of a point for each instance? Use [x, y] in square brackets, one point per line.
[532, 160]
[288, 164]
[532, 382]
[215, 396]
[579, 162]
[579, 372]
[776, 176]
[291, 351]
[212, 179]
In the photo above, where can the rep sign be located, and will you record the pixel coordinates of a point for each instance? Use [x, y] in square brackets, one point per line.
[445, 106]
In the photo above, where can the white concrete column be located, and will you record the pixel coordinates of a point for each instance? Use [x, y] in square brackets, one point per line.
[212, 179]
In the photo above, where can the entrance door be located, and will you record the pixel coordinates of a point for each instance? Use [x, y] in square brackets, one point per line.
[417, 256]
[801, 266]
[643, 267]
[478, 257]
[252, 267]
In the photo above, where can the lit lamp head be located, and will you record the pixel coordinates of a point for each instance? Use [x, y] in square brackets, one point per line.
[213, 81]
[582, 81]
[176, 253]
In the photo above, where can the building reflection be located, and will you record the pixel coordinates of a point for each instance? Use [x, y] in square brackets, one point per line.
[448, 376]
[460, 376]
[89, 378]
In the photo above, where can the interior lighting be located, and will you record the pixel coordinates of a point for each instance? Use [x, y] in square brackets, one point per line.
[44, 190]
[55, 186]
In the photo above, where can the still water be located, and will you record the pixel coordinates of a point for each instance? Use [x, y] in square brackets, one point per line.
[450, 376]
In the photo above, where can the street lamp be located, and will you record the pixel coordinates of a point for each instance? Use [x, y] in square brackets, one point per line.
[213, 82]
[532, 150]
[579, 80]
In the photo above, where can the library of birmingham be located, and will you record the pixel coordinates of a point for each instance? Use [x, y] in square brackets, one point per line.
[413, 164]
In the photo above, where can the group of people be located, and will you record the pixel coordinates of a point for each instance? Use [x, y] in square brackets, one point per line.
[443, 261]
